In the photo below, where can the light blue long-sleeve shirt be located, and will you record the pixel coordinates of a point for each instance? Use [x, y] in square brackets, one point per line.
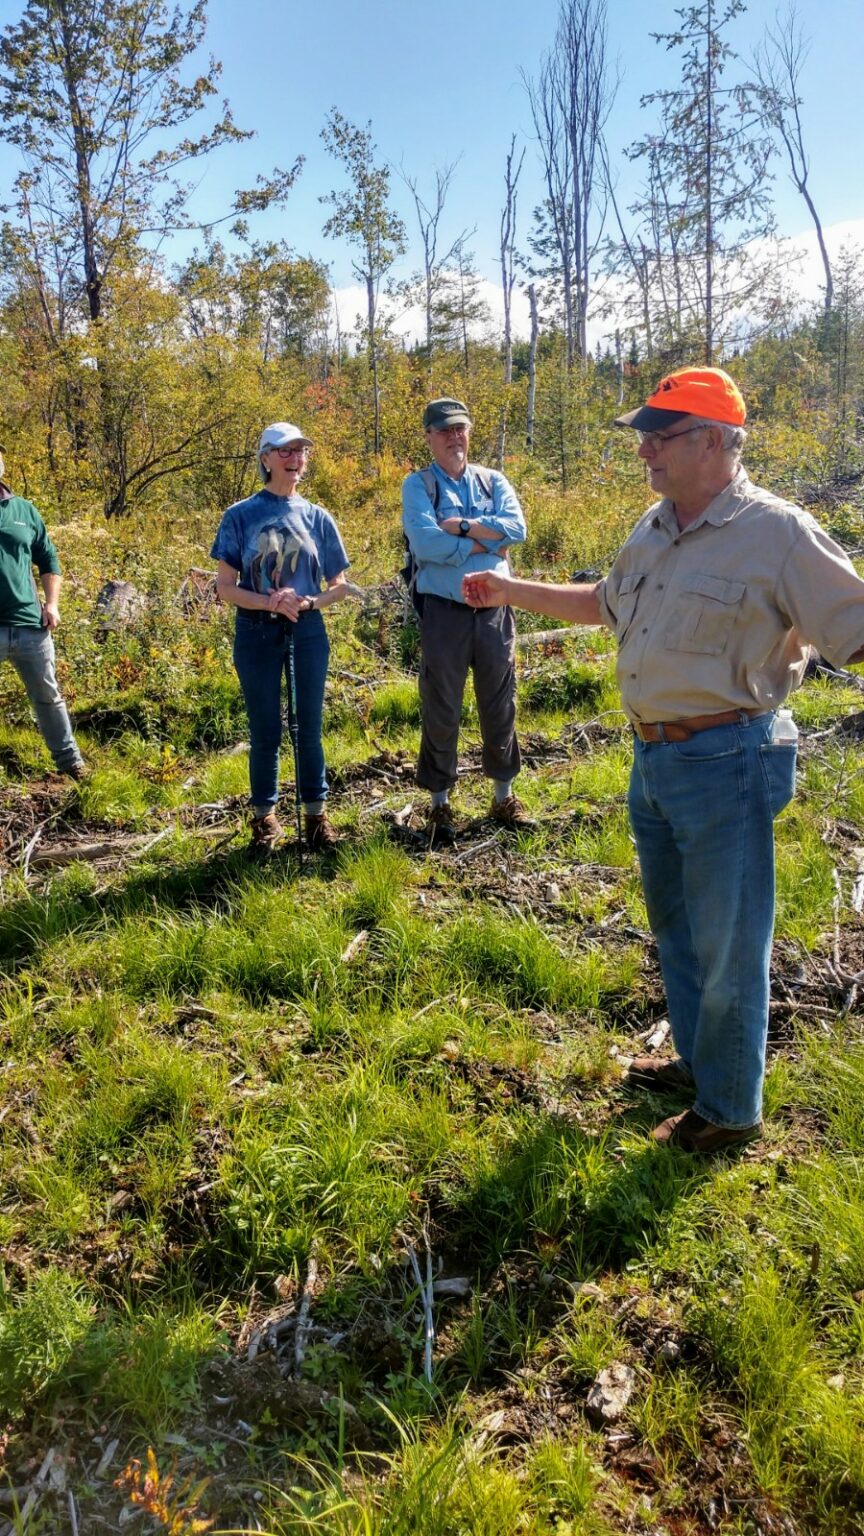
[444, 558]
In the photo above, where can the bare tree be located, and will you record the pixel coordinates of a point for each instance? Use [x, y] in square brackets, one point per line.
[570, 103]
[428, 219]
[507, 254]
[507, 251]
[778, 63]
[532, 369]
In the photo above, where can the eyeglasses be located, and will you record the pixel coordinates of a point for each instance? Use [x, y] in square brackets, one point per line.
[285, 451]
[654, 440]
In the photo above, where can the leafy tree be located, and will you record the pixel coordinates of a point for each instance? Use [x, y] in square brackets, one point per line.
[91, 96]
[362, 216]
[459, 310]
[708, 193]
[269, 296]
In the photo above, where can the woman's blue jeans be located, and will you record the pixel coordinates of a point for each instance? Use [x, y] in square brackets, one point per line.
[31, 652]
[261, 657]
[703, 814]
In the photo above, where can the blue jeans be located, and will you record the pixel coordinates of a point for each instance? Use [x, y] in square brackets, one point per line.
[261, 657]
[31, 652]
[703, 814]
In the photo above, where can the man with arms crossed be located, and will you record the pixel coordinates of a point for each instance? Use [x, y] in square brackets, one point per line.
[26, 625]
[715, 598]
[457, 520]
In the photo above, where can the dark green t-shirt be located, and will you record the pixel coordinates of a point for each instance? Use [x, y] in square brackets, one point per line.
[24, 542]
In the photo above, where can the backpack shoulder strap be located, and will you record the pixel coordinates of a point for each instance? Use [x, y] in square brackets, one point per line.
[484, 477]
[430, 486]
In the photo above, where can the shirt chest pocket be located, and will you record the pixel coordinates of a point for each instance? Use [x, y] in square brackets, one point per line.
[627, 602]
[705, 612]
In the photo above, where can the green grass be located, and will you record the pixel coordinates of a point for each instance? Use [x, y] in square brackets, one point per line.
[203, 1086]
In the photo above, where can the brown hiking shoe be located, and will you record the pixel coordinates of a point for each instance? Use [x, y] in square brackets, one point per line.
[695, 1134]
[77, 771]
[440, 826]
[659, 1075]
[512, 813]
[321, 835]
[266, 833]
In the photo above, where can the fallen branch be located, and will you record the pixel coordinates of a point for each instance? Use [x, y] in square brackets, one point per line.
[72, 853]
[544, 637]
[424, 1291]
[352, 950]
[474, 849]
[858, 883]
[305, 1305]
[429, 1331]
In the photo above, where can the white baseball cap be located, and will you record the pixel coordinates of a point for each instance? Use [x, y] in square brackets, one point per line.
[279, 434]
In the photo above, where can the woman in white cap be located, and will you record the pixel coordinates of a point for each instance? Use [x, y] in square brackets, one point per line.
[281, 560]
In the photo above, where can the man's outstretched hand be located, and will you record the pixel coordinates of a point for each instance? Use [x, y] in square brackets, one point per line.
[485, 589]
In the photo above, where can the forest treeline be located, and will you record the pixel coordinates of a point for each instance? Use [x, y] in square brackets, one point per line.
[133, 383]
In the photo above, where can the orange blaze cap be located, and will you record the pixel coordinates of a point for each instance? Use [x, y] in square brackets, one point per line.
[690, 392]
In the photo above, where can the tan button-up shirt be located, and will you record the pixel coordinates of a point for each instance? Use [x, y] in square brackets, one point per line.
[723, 614]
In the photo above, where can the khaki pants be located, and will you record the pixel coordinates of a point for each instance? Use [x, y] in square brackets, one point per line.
[454, 637]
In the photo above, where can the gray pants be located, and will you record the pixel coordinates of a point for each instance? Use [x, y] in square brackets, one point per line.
[31, 652]
[454, 637]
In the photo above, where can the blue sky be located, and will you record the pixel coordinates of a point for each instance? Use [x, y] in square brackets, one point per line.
[438, 83]
[443, 83]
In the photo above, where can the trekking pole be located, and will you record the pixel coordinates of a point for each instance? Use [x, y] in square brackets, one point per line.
[294, 732]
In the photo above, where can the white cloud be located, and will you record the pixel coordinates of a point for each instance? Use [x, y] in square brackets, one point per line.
[799, 254]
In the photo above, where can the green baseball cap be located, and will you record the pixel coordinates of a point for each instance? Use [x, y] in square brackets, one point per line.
[445, 413]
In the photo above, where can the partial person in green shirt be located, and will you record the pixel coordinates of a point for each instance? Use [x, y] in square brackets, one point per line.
[27, 624]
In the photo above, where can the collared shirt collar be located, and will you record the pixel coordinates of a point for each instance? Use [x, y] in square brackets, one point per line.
[6, 493]
[444, 475]
[727, 504]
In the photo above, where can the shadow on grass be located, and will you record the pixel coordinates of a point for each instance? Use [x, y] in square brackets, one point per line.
[34, 920]
[597, 1200]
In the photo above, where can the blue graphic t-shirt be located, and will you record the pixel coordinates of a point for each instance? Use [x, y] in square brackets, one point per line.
[280, 541]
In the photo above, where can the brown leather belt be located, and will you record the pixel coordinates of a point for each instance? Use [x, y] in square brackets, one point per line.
[682, 730]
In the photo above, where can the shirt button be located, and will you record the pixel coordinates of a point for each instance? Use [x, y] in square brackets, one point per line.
[645, 631]
[633, 675]
[659, 586]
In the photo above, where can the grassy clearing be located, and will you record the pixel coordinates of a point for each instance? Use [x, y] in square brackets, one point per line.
[213, 1073]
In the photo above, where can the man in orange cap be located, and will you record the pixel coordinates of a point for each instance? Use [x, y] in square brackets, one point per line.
[716, 599]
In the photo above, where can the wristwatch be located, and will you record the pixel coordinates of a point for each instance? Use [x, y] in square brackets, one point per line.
[307, 605]
[464, 528]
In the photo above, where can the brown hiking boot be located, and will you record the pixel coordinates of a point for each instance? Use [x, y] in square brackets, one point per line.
[321, 835]
[659, 1075]
[693, 1133]
[512, 813]
[77, 771]
[266, 833]
[440, 826]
